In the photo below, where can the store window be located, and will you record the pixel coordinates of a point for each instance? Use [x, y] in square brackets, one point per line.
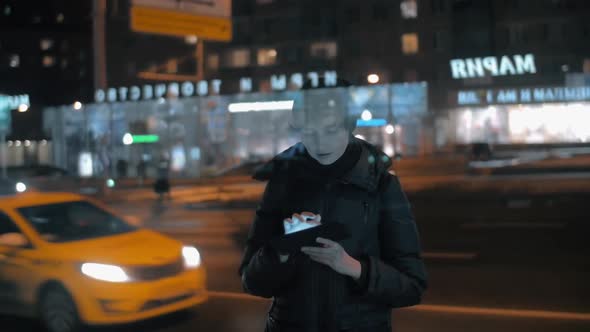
[410, 43]
[267, 56]
[238, 58]
[213, 61]
[325, 50]
[409, 8]
[46, 44]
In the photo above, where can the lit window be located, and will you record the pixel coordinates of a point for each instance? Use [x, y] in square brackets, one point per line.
[48, 61]
[238, 58]
[64, 63]
[46, 44]
[213, 61]
[14, 61]
[267, 56]
[410, 43]
[409, 9]
[191, 39]
[172, 66]
[59, 18]
[7, 10]
[326, 50]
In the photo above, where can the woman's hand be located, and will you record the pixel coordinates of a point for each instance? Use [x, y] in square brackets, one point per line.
[333, 255]
[304, 217]
[301, 221]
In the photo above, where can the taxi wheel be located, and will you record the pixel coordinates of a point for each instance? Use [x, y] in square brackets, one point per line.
[58, 311]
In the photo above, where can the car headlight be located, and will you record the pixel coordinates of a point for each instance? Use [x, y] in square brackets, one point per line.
[104, 272]
[191, 255]
[20, 187]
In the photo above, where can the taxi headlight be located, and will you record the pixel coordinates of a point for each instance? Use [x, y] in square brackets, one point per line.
[191, 255]
[20, 187]
[104, 272]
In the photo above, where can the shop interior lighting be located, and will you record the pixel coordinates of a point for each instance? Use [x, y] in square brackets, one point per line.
[145, 138]
[373, 78]
[371, 123]
[280, 105]
[127, 139]
[366, 115]
[389, 129]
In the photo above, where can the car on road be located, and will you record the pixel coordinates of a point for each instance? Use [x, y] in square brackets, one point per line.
[71, 262]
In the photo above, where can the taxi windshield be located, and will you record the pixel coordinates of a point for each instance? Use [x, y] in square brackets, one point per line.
[73, 221]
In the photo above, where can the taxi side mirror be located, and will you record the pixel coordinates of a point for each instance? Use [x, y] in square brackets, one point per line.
[13, 240]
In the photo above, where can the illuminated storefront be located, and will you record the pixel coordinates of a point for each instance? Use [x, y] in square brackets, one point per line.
[532, 115]
[200, 135]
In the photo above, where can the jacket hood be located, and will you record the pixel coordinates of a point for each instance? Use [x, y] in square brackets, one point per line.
[366, 173]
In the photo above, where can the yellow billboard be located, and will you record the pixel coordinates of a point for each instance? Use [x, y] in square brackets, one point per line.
[167, 20]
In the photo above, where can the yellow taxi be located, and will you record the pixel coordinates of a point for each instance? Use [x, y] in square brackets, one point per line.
[70, 261]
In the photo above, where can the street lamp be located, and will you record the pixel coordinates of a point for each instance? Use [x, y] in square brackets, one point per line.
[23, 108]
[77, 105]
[373, 78]
[366, 115]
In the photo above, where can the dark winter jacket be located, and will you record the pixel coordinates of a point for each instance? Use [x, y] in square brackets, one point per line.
[309, 296]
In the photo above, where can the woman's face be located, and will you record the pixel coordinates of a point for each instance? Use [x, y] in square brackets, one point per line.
[325, 139]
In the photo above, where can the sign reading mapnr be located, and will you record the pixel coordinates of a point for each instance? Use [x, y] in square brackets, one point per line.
[206, 19]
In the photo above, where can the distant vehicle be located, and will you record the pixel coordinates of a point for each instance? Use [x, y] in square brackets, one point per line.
[71, 262]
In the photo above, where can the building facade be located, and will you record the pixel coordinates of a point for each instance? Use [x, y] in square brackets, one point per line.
[45, 53]
[438, 75]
